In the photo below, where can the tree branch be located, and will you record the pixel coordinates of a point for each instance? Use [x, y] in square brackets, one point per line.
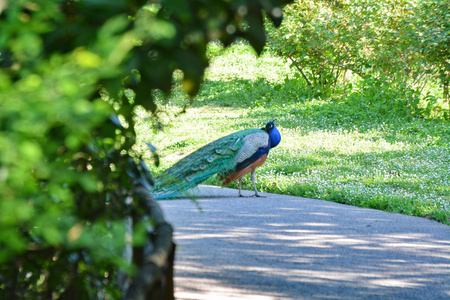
[300, 70]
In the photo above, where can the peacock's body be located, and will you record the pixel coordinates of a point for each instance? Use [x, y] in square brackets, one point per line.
[230, 157]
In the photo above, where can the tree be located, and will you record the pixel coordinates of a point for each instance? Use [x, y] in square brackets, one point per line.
[431, 34]
[403, 43]
[324, 39]
[72, 189]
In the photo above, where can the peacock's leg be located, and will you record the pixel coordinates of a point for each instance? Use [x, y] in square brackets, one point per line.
[253, 177]
[240, 187]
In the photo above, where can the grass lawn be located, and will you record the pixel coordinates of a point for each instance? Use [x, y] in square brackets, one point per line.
[362, 148]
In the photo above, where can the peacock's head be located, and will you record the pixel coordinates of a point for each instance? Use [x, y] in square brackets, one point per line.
[274, 134]
[269, 126]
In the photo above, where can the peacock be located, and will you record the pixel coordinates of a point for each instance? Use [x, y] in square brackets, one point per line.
[230, 157]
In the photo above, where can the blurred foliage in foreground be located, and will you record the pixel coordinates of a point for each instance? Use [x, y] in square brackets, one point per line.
[65, 158]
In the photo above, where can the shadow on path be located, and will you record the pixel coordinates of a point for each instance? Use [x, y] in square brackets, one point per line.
[284, 247]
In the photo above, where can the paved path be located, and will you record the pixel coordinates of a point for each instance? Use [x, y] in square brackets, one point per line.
[283, 247]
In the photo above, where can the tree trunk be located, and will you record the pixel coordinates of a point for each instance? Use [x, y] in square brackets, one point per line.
[155, 277]
[445, 88]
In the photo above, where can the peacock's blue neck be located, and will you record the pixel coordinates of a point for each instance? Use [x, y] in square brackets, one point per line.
[274, 137]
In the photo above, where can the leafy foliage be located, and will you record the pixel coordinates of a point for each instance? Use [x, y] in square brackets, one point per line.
[432, 38]
[403, 42]
[70, 70]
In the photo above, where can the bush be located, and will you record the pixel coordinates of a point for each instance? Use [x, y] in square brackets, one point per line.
[403, 42]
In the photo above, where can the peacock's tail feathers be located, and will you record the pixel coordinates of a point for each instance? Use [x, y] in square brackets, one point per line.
[218, 157]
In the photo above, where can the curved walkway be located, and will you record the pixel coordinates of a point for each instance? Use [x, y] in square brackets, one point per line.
[284, 247]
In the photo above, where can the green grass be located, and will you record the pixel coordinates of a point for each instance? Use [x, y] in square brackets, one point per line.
[362, 148]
